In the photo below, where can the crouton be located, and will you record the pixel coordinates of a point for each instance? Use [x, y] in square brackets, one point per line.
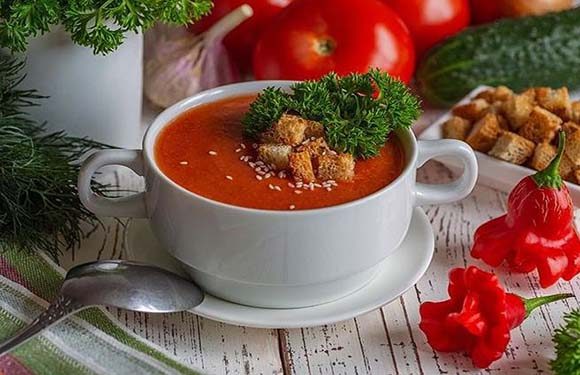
[275, 155]
[315, 148]
[503, 122]
[336, 167]
[576, 175]
[575, 114]
[472, 111]
[512, 148]
[269, 136]
[500, 93]
[484, 133]
[556, 101]
[517, 108]
[301, 166]
[572, 149]
[456, 128]
[566, 167]
[290, 130]
[314, 129]
[543, 155]
[570, 128]
[541, 126]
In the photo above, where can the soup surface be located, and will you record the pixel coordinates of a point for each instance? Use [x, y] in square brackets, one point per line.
[201, 150]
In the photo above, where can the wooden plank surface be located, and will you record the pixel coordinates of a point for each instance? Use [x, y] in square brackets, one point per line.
[385, 341]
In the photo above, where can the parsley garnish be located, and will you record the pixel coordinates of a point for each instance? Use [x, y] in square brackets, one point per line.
[567, 340]
[358, 111]
[99, 24]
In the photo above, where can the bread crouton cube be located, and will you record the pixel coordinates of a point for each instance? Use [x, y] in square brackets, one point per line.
[572, 149]
[336, 167]
[575, 115]
[314, 129]
[301, 166]
[456, 128]
[570, 127]
[566, 167]
[541, 126]
[472, 111]
[500, 93]
[290, 130]
[275, 155]
[543, 155]
[484, 133]
[576, 176]
[512, 148]
[315, 148]
[556, 101]
[517, 108]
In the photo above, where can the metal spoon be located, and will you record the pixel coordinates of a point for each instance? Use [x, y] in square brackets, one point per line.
[116, 283]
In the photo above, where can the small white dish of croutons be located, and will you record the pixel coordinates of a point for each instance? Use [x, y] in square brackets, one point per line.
[514, 134]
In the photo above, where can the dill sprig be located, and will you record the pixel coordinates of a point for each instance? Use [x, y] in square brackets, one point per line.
[567, 340]
[99, 24]
[358, 111]
[39, 205]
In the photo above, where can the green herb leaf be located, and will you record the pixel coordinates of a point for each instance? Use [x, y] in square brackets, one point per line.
[39, 205]
[567, 340]
[358, 111]
[99, 24]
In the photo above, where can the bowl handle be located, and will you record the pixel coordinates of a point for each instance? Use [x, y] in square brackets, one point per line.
[131, 206]
[455, 190]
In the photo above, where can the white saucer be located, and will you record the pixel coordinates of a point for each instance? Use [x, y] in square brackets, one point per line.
[399, 272]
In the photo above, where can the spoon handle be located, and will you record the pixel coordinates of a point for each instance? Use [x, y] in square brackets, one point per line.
[59, 309]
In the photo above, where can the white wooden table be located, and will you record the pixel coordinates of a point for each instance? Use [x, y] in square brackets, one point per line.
[385, 341]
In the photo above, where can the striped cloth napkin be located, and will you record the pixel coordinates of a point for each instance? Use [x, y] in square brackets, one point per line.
[90, 342]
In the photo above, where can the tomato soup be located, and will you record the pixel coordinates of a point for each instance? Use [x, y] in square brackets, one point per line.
[201, 150]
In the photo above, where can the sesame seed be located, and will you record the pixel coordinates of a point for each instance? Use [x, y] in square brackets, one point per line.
[242, 158]
[229, 178]
[291, 185]
[212, 153]
[238, 150]
[243, 146]
[258, 177]
[276, 187]
[183, 162]
[297, 191]
[268, 175]
[317, 185]
[252, 165]
[292, 207]
[328, 189]
[271, 187]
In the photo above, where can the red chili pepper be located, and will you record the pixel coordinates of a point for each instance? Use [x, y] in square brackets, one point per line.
[478, 316]
[538, 231]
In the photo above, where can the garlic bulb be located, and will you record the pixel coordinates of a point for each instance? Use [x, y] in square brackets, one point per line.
[179, 64]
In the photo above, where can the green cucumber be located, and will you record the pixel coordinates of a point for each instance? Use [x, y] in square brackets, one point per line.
[518, 53]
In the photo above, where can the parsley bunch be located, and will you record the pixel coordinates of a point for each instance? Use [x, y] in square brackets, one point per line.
[99, 24]
[567, 340]
[358, 111]
[39, 204]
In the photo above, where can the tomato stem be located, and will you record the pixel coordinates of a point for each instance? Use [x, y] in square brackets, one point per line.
[531, 304]
[325, 46]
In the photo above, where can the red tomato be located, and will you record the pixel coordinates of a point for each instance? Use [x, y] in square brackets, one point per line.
[431, 21]
[485, 10]
[311, 38]
[241, 41]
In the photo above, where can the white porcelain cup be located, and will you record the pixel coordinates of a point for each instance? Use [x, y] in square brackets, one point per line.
[276, 259]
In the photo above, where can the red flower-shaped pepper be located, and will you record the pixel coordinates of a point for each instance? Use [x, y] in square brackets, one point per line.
[478, 316]
[538, 230]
